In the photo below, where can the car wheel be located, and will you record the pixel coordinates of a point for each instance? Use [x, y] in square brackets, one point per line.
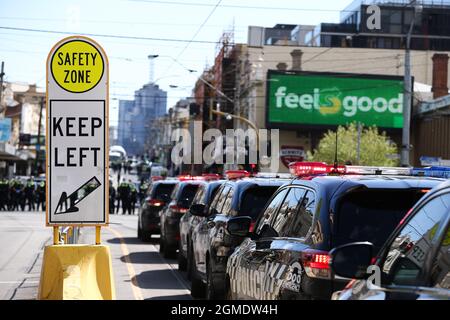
[211, 292]
[139, 232]
[197, 285]
[146, 237]
[189, 266]
[182, 262]
[161, 244]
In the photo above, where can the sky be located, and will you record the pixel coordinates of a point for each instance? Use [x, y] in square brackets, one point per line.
[185, 31]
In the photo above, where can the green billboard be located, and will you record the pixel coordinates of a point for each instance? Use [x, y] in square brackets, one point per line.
[330, 99]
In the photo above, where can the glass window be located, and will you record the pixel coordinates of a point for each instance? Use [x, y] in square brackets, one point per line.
[440, 271]
[221, 200]
[271, 209]
[188, 192]
[199, 195]
[288, 211]
[303, 220]
[161, 189]
[372, 214]
[227, 204]
[254, 200]
[407, 253]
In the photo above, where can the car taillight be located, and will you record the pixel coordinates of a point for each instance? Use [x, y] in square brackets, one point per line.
[176, 209]
[316, 263]
[155, 203]
[252, 227]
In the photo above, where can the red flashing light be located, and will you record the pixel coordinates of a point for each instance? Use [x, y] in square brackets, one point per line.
[211, 176]
[313, 168]
[157, 178]
[236, 174]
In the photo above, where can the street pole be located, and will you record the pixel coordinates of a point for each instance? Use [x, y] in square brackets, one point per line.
[407, 88]
[38, 144]
[2, 74]
[358, 144]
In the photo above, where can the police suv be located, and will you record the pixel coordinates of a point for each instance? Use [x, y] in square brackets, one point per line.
[413, 264]
[287, 254]
[211, 243]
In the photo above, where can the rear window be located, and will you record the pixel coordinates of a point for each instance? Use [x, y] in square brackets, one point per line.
[162, 188]
[372, 215]
[254, 200]
[188, 192]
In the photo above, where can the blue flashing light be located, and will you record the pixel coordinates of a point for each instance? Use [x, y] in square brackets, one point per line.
[434, 171]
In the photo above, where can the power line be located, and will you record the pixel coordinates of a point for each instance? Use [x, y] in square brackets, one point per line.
[107, 35]
[198, 4]
[192, 39]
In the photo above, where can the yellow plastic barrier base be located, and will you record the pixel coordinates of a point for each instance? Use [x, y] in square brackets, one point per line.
[76, 272]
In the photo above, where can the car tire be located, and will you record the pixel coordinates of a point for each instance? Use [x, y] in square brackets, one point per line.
[161, 244]
[189, 267]
[146, 237]
[211, 292]
[197, 285]
[139, 232]
[182, 261]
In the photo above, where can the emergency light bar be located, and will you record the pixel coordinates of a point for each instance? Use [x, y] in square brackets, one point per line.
[211, 176]
[236, 174]
[273, 175]
[378, 170]
[435, 171]
[311, 168]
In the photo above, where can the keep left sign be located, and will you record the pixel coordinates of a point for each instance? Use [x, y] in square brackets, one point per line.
[77, 133]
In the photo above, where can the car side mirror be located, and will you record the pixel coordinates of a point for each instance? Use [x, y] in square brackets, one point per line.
[352, 260]
[198, 210]
[239, 226]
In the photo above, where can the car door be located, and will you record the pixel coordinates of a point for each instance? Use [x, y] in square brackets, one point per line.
[411, 259]
[247, 264]
[202, 230]
[291, 224]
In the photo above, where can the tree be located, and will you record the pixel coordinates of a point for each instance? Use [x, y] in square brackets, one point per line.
[375, 149]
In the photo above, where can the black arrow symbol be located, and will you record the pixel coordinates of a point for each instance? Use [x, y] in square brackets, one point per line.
[75, 197]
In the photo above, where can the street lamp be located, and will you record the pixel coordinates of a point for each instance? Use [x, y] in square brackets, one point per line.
[407, 92]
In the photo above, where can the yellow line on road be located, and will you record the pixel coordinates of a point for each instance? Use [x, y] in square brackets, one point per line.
[134, 282]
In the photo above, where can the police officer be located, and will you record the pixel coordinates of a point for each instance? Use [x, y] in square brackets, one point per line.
[124, 191]
[29, 190]
[133, 197]
[112, 197]
[4, 194]
[143, 187]
[41, 196]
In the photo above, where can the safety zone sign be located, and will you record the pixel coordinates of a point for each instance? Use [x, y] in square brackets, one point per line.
[77, 133]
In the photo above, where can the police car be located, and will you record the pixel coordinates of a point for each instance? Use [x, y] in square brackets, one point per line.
[205, 193]
[413, 264]
[158, 195]
[287, 254]
[211, 244]
[179, 203]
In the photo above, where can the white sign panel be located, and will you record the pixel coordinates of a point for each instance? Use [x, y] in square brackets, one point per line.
[77, 133]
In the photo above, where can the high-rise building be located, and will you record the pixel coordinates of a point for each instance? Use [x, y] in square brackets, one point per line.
[136, 129]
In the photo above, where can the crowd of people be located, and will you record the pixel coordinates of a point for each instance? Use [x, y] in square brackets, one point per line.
[126, 196]
[19, 195]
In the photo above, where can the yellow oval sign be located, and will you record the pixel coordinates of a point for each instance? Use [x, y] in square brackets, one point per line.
[77, 66]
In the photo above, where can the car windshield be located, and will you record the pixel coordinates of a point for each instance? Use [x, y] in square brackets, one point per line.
[254, 201]
[372, 215]
[163, 188]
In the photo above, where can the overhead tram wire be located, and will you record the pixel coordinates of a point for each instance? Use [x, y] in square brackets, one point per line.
[192, 39]
[107, 35]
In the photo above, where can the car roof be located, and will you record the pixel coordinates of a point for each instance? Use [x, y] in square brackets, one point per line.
[372, 181]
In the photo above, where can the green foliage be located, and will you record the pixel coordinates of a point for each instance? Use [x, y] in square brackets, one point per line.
[375, 148]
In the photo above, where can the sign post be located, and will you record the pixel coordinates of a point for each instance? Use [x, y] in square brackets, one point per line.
[77, 134]
[77, 170]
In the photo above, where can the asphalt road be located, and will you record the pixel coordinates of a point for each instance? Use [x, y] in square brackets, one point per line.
[140, 272]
